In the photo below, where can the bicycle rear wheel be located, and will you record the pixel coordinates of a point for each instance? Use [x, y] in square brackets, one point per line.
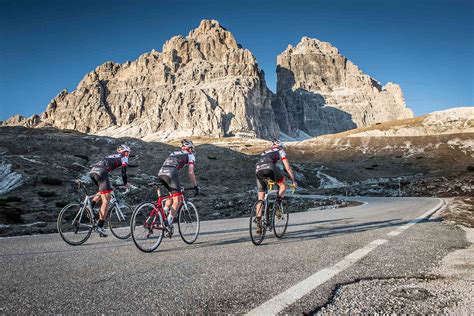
[147, 230]
[279, 219]
[75, 224]
[257, 229]
[188, 223]
[119, 221]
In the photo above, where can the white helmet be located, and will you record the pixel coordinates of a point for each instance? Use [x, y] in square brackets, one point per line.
[277, 143]
[187, 143]
[123, 148]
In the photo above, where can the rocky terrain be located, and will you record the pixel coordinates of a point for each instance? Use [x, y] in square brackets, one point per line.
[206, 84]
[319, 91]
[38, 167]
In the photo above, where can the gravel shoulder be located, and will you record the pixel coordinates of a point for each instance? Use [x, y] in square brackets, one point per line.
[446, 289]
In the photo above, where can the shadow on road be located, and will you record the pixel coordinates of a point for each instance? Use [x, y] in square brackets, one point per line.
[291, 236]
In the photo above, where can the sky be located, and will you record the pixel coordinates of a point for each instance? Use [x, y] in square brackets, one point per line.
[425, 46]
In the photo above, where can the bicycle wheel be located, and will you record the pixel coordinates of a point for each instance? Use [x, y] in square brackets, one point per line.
[119, 221]
[188, 223]
[257, 229]
[75, 224]
[279, 219]
[147, 233]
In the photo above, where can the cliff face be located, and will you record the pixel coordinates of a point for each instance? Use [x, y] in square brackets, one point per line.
[204, 84]
[319, 91]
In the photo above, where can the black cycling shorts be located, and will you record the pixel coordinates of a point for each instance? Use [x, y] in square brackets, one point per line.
[170, 178]
[100, 177]
[268, 173]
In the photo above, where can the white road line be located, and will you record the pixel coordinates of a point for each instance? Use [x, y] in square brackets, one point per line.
[401, 229]
[290, 296]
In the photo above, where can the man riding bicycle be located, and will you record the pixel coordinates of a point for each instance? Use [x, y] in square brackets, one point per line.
[267, 169]
[100, 176]
[169, 177]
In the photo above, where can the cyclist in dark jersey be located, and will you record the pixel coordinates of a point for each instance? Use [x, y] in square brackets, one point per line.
[169, 176]
[100, 176]
[267, 169]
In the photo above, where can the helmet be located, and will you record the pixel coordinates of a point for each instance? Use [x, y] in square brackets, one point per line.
[277, 143]
[187, 143]
[123, 148]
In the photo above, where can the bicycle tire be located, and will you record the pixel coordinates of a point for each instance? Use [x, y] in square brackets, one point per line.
[120, 227]
[257, 238]
[188, 223]
[142, 228]
[280, 220]
[68, 215]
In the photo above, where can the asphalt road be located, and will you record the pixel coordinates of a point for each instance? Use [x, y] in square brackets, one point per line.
[223, 271]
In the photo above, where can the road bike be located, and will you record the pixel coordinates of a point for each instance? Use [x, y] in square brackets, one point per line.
[76, 221]
[149, 222]
[273, 216]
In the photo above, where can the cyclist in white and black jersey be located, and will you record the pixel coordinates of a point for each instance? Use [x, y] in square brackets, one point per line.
[169, 176]
[100, 176]
[267, 169]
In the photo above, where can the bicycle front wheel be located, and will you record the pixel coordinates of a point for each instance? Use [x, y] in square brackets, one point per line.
[75, 224]
[147, 227]
[279, 219]
[119, 221]
[188, 223]
[257, 228]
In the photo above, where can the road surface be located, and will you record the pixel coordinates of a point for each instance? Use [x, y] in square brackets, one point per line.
[223, 271]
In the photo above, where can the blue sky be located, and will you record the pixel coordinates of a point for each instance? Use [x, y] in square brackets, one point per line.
[425, 46]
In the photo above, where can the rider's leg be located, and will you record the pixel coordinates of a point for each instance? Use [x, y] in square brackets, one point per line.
[104, 207]
[174, 208]
[282, 189]
[260, 196]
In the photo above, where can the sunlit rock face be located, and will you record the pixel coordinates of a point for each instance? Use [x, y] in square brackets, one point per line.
[204, 84]
[319, 91]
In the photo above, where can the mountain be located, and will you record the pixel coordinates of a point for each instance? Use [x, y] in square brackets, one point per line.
[206, 84]
[201, 84]
[319, 91]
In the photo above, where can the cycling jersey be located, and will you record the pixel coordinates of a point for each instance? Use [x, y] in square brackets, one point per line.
[169, 175]
[100, 171]
[179, 159]
[112, 162]
[270, 157]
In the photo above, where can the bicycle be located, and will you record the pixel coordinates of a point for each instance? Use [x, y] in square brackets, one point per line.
[275, 219]
[76, 221]
[149, 224]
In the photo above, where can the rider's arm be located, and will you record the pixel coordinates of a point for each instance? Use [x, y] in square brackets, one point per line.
[124, 169]
[192, 176]
[288, 169]
[124, 175]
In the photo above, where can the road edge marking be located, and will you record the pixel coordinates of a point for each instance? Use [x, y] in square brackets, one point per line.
[294, 293]
[427, 214]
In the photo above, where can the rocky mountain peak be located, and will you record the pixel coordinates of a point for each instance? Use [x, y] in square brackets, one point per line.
[320, 91]
[204, 84]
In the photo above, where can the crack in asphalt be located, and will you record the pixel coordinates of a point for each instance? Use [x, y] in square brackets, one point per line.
[336, 291]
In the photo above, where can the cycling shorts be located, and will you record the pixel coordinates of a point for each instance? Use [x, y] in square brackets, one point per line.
[268, 172]
[100, 177]
[169, 177]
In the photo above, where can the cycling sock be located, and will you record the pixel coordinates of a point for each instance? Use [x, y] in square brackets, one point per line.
[101, 223]
[170, 219]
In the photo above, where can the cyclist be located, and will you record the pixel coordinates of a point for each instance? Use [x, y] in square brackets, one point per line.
[169, 176]
[100, 176]
[266, 169]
